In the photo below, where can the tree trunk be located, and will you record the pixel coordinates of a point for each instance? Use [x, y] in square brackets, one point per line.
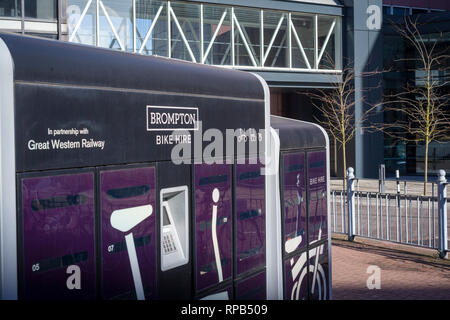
[426, 168]
[344, 162]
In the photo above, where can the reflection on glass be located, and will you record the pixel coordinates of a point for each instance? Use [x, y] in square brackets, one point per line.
[86, 25]
[10, 8]
[247, 33]
[151, 14]
[42, 9]
[304, 28]
[219, 52]
[151, 33]
[116, 24]
[326, 30]
[275, 39]
[188, 18]
[397, 11]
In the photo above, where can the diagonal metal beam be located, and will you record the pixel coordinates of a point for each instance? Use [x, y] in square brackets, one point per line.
[77, 26]
[194, 34]
[111, 25]
[120, 28]
[273, 38]
[138, 35]
[297, 39]
[244, 41]
[188, 47]
[326, 42]
[152, 26]
[279, 50]
[174, 42]
[222, 18]
[250, 45]
[227, 51]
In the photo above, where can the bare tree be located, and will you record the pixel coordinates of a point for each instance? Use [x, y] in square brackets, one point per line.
[337, 108]
[422, 105]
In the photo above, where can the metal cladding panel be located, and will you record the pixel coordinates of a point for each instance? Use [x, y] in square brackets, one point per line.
[317, 196]
[123, 189]
[296, 134]
[295, 277]
[58, 237]
[207, 179]
[319, 272]
[250, 217]
[294, 202]
[252, 288]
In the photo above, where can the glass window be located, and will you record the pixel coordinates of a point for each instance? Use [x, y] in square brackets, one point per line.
[247, 32]
[188, 17]
[43, 35]
[275, 39]
[86, 25]
[219, 52]
[42, 9]
[417, 11]
[10, 8]
[151, 14]
[397, 11]
[152, 35]
[116, 24]
[386, 10]
[326, 38]
[303, 52]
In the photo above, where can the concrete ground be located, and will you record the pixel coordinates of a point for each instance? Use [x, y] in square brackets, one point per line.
[406, 272]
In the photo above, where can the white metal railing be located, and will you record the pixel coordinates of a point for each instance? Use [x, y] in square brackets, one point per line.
[402, 218]
[92, 12]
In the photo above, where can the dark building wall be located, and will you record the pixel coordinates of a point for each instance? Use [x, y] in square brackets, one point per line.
[363, 51]
[428, 4]
[408, 156]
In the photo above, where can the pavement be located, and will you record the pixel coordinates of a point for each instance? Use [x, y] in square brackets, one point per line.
[405, 272]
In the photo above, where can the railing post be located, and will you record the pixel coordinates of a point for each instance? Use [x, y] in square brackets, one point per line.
[381, 178]
[351, 203]
[442, 209]
[399, 208]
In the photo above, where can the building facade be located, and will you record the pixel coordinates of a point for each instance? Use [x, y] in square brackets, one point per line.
[296, 46]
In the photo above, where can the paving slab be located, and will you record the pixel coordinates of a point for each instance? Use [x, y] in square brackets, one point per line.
[406, 273]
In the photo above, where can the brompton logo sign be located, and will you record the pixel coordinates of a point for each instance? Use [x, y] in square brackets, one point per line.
[163, 118]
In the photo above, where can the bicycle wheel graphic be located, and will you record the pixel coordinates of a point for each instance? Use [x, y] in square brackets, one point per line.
[318, 289]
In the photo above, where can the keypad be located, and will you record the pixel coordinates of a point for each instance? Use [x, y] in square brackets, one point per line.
[168, 243]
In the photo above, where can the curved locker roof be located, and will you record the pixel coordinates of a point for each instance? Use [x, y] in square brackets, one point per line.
[75, 64]
[297, 134]
[79, 105]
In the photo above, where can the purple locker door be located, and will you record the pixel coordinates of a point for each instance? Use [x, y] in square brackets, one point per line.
[296, 277]
[213, 242]
[250, 217]
[219, 294]
[58, 237]
[294, 202]
[317, 196]
[318, 275]
[128, 193]
[252, 288]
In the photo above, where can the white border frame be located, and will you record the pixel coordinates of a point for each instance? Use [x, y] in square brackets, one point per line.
[184, 189]
[8, 210]
[172, 129]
